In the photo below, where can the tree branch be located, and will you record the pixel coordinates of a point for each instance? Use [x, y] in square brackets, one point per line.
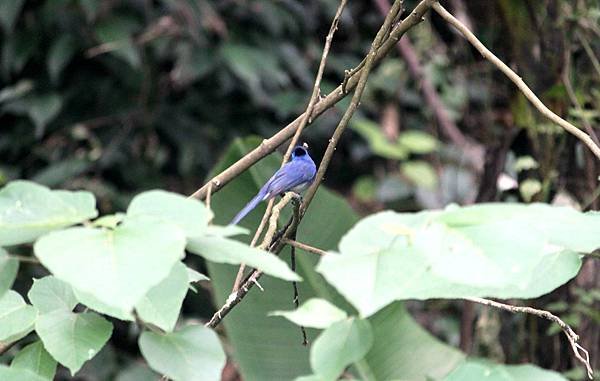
[580, 353]
[518, 81]
[303, 121]
[269, 145]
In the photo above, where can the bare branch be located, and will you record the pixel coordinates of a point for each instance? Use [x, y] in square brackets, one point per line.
[580, 353]
[518, 81]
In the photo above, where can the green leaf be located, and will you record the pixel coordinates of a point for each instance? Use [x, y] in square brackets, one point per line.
[404, 350]
[487, 250]
[28, 210]
[420, 173]
[136, 372]
[49, 294]
[340, 345]
[57, 173]
[9, 10]
[365, 188]
[117, 32]
[61, 52]
[525, 163]
[16, 317]
[118, 267]
[161, 305]
[35, 358]
[476, 370]
[189, 214]
[418, 142]
[72, 339]
[42, 109]
[190, 354]
[315, 313]
[8, 271]
[194, 276]
[12, 374]
[223, 250]
[226, 231]
[379, 144]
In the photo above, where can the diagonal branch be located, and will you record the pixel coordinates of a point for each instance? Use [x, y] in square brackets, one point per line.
[303, 121]
[518, 81]
[269, 145]
[580, 353]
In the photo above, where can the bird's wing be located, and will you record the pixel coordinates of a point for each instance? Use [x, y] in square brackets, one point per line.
[287, 177]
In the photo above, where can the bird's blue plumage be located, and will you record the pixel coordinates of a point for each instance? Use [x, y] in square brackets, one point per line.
[294, 176]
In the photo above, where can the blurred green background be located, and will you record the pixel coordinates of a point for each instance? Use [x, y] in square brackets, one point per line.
[117, 97]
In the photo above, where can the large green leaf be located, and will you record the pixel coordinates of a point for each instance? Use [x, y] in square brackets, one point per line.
[28, 210]
[161, 305]
[340, 345]
[49, 294]
[493, 250]
[16, 317]
[72, 338]
[223, 250]
[35, 358]
[188, 213]
[476, 370]
[118, 267]
[8, 271]
[193, 353]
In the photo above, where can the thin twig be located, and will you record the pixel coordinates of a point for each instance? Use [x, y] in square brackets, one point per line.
[269, 145]
[343, 124]
[296, 299]
[303, 246]
[580, 353]
[589, 51]
[4, 347]
[305, 118]
[518, 81]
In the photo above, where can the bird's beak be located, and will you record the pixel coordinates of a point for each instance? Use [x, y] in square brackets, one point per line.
[305, 145]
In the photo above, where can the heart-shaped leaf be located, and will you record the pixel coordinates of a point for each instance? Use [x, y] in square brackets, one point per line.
[72, 338]
[193, 353]
[118, 267]
[486, 250]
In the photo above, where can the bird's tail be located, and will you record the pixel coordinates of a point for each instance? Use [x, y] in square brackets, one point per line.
[248, 208]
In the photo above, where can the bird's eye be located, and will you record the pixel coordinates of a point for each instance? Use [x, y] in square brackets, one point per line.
[299, 152]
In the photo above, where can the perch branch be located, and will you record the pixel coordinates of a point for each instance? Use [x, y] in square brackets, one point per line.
[580, 353]
[518, 81]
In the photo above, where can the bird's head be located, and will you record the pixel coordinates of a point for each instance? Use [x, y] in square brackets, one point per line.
[300, 151]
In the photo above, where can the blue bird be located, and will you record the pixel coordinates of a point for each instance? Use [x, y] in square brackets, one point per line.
[295, 176]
